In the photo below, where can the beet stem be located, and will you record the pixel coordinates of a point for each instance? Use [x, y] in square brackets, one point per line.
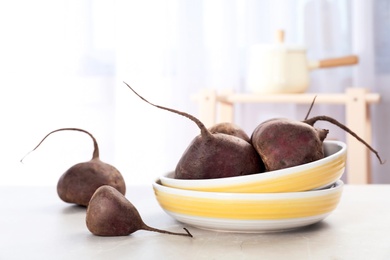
[187, 234]
[202, 127]
[95, 145]
[331, 120]
[311, 106]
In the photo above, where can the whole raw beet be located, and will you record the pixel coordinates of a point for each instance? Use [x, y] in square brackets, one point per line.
[217, 156]
[79, 182]
[283, 143]
[229, 129]
[110, 213]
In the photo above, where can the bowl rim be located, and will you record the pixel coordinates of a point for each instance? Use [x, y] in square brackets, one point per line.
[337, 186]
[237, 180]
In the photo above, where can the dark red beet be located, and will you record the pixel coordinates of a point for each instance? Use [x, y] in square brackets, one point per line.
[283, 143]
[214, 155]
[229, 129]
[110, 214]
[80, 181]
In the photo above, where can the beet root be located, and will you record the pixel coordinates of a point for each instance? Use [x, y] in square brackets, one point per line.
[110, 214]
[214, 155]
[79, 182]
[229, 129]
[283, 143]
[219, 156]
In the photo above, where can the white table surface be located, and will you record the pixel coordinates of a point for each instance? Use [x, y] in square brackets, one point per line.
[36, 224]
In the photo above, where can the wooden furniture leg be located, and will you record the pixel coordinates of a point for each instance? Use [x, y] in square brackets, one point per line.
[358, 120]
[208, 106]
[226, 109]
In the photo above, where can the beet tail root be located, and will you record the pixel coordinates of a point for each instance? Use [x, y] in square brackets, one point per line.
[202, 127]
[95, 145]
[313, 120]
[187, 234]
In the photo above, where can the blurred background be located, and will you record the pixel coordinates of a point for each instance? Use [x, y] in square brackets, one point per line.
[63, 63]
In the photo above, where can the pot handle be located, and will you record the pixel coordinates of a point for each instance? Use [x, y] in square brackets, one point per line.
[341, 61]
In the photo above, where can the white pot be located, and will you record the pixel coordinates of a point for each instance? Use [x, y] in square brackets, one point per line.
[285, 69]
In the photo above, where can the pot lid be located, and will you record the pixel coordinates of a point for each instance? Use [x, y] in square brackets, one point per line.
[280, 45]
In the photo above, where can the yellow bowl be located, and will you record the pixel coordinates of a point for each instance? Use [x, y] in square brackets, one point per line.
[314, 175]
[248, 212]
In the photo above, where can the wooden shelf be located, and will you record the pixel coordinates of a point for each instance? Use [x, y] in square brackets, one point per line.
[219, 107]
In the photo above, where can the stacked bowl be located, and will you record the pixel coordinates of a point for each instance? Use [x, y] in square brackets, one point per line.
[264, 202]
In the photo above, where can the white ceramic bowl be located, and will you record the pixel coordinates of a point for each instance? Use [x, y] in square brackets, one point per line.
[314, 175]
[248, 212]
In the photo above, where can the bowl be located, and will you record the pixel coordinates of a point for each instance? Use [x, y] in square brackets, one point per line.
[314, 175]
[248, 212]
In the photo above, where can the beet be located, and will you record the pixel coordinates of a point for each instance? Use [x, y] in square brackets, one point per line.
[283, 143]
[214, 155]
[79, 182]
[229, 129]
[110, 213]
